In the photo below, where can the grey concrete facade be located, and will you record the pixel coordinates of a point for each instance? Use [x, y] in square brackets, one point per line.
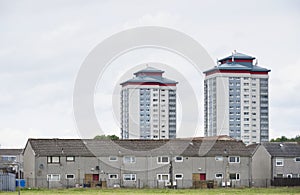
[118, 166]
[274, 160]
[261, 167]
[289, 169]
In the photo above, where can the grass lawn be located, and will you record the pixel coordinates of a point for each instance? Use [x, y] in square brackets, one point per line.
[279, 190]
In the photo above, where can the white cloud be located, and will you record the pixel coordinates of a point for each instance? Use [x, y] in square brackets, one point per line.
[43, 45]
[157, 19]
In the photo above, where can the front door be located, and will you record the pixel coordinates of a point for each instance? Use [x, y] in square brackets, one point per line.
[95, 177]
[202, 176]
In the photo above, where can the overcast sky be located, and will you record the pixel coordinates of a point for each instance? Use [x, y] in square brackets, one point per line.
[44, 43]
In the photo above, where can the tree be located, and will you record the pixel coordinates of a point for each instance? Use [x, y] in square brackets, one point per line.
[106, 137]
[285, 139]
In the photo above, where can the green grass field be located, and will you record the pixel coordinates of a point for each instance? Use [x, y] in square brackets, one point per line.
[282, 190]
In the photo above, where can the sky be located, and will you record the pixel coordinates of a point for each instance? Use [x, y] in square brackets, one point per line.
[44, 43]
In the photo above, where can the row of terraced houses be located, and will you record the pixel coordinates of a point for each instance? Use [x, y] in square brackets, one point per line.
[181, 163]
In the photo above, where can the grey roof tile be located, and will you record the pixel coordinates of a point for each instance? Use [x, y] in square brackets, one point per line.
[185, 147]
[10, 151]
[283, 149]
[59, 147]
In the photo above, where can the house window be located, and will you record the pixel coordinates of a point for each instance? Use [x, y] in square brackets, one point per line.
[113, 176]
[163, 160]
[53, 177]
[70, 176]
[53, 159]
[234, 176]
[9, 158]
[113, 158]
[279, 162]
[234, 159]
[70, 158]
[179, 176]
[279, 175]
[297, 159]
[129, 159]
[163, 177]
[178, 159]
[219, 158]
[129, 177]
[219, 175]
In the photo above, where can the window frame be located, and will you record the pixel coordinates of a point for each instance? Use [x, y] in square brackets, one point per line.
[132, 159]
[159, 176]
[279, 175]
[116, 158]
[50, 160]
[178, 160]
[132, 176]
[177, 174]
[278, 160]
[66, 176]
[50, 177]
[9, 158]
[237, 176]
[111, 174]
[219, 158]
[219, 174]
[297, 159]
[237, 159]
[68, 160]
[159, 160]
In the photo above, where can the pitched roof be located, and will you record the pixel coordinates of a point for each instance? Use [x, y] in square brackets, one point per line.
[10, 151]
[253, 147]
[217, 148]
[146, 76]
[237, 55]
[59, 147]
[149, 69]
[283, 149]
[238, 66]
[185, 147]
[228, 64]
[152, 79]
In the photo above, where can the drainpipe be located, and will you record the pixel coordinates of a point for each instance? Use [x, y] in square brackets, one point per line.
[272, 173]
[250, 170]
